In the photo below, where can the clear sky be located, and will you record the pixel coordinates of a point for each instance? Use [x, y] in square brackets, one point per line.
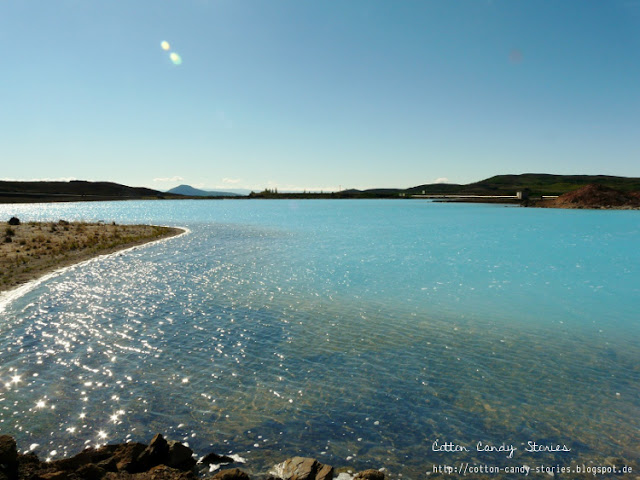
[300, 94]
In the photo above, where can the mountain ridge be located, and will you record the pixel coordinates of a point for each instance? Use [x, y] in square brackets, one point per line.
[537, 184]
[196, 192]
[74, 191]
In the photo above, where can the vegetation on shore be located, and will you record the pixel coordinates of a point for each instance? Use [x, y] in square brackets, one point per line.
[30, 250]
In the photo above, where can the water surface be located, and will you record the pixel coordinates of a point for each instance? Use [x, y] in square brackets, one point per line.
[356, 332]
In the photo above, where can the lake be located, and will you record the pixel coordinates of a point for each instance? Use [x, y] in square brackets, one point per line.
[364, 333]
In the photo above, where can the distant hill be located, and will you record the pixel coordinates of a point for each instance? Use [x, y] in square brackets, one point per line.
[537, 183]
[73, 191]
[195, 192]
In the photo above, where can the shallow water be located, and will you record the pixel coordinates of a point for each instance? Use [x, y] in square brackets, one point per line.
[356, 332]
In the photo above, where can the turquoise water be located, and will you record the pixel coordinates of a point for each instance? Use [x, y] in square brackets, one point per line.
[356, 332]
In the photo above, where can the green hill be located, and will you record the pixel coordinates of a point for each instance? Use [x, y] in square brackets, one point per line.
[537, 183]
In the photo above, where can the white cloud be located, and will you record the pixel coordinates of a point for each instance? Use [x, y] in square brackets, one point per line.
[168, 179]
[231, 180]
[441, 180]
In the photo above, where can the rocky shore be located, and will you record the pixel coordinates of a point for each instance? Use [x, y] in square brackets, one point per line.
[33, 249]
[160, 460]
[594, 196]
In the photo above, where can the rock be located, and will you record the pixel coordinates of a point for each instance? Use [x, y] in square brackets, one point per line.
[87, 456]
[57, 475]
[8, 457]
[28, 464]
[369, 475]
[125, 458]
[344, 476]
[163, 472]
[90, 472]
[215, 459]
[155, 454]
[158, 446]
[231, 474]
[301, 468]
[8, 450]
[14, 221]
[325, 472]
[160, 460]
[180, 456]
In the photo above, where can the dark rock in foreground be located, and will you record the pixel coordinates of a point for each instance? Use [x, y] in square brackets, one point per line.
[231, 474]
[8, 457]
[160, 460]
[301, 468]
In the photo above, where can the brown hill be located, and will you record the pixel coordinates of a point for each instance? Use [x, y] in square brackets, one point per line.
[595, 196]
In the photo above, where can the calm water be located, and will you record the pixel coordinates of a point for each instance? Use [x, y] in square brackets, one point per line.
[356, 332]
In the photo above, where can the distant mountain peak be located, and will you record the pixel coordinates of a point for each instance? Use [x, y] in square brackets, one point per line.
[190, 191]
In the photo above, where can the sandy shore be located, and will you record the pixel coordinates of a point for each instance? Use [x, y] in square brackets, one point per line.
[31, 250]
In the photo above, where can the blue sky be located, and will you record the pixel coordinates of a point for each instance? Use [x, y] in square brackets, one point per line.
[318, 95]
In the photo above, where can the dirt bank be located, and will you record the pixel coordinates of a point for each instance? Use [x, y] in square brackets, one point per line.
[31, 250]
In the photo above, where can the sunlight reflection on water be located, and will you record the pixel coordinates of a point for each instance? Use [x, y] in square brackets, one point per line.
[333, 338]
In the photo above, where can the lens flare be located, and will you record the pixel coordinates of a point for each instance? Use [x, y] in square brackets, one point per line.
[175, 58]
[165, 45]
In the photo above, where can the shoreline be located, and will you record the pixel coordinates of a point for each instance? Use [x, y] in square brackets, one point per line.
[36, 251]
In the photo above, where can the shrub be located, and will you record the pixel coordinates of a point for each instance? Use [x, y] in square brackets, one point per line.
[10, 232]
[14, 221]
